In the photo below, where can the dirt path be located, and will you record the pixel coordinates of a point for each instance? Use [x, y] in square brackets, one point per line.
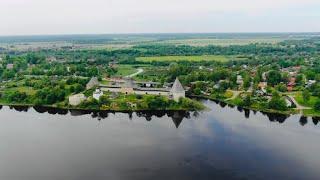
[299, 107]
[235, 94]
[140, 70]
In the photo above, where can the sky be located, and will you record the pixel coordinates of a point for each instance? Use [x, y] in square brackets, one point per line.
[42, 17]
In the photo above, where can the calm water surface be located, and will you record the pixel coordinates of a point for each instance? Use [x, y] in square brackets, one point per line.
[223, 143]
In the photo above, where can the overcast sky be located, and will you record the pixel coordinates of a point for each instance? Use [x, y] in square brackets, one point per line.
[29, 17]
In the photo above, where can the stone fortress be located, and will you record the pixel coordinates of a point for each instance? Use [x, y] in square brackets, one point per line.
[129, 86]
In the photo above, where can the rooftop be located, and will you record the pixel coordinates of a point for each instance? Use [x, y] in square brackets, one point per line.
[177, 86]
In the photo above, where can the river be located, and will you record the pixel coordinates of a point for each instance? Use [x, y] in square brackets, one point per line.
[221, 143]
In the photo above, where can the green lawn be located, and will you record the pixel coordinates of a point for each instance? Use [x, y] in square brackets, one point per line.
[27, 90]
[105, 82]
[219, 58]
[221, 42]
[124, 70]
[311, 112]
[309, 103]
[228, 94]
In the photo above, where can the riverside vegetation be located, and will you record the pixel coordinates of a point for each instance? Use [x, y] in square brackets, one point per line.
[282, 76]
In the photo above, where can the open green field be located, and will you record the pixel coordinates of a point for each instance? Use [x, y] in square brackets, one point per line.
[218, 58]
[124, 70]
[27, 90]
[309, 103]
[311, 112]
[221, 42]
[127, 69]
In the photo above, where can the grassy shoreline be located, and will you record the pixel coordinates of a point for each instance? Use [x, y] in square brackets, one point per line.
[294, 112]
[307, 113]
[99, 109]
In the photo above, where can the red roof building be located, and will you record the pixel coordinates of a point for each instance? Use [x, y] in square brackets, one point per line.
[291, 84]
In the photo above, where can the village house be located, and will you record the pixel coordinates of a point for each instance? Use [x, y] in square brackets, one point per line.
[253, 73]
[10, 66]
[291, 84]
[309, 83]
[97, 94]
[113, 64]
[292, 71]
[216, 86]
[264, 76]
[239, 80]
[262, 86]
[76, 99]
[51, 59]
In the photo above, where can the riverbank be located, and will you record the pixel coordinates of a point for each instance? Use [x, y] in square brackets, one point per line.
[198, 107]
[307, 113]
[184, 104]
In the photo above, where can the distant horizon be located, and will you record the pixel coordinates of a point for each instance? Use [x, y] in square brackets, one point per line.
[57, 17]
[155, 33]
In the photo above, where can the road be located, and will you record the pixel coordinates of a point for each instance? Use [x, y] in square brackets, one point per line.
[299, 107]
[235, 94]
[140, 70]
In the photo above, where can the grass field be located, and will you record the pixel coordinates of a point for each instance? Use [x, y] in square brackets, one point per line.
[124, 70]
[309, 103]
[187, 58]
[27, 90]
[221, 42]
[311, 112]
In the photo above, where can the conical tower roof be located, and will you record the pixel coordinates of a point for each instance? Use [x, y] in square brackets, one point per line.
[177, 86]
[93, 80]
[129, 83]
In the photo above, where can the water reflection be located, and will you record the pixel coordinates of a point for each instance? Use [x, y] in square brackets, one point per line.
[240, 109]
[303, 120]
[275, 117]
[176, 116]
[315, 120]
[20, 108]
[223, 104]
[230, 105]
[222, 143]
[247, 113]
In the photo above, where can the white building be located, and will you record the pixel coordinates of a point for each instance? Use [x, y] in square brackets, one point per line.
[310, 83]
[9, 66]
[264, 76]
[239, 80]
[76, 99]
[97, 94]
[51, 59]
[177, 90]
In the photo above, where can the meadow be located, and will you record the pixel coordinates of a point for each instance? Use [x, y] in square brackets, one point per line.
[221, 42]
[218, 58]
[312, 101]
